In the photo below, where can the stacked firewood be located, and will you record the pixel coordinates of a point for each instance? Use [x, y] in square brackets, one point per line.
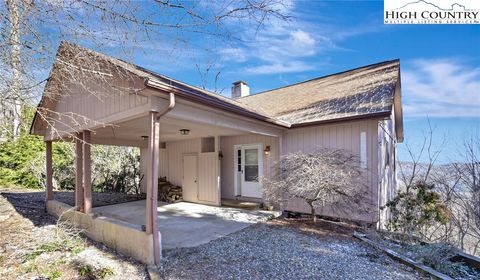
[168, 192]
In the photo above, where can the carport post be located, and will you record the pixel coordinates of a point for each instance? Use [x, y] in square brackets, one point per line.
[49, 171]
[87, 172]
[152, 172]
[152, 184]
[79, 172]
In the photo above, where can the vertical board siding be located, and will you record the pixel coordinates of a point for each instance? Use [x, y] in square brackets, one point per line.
[163, 164]
[207, 177]
[171, 166]
[175, 152]
[339, 136]
[387, 175]
[88, 107]
[143, 168]
[227, 144]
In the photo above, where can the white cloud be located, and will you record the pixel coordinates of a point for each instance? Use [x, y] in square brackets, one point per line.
[288, 46]
[234, 54]
[441, 88]
[277, 68]
[279, 49]
[302, 42]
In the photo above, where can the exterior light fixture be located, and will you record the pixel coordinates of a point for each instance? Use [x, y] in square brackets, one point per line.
[184, 131]
[144, 137]
[267, 150]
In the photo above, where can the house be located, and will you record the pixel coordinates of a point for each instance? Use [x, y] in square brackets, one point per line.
[213, 146]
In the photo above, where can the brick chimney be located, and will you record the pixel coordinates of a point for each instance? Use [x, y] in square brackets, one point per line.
[240, 89]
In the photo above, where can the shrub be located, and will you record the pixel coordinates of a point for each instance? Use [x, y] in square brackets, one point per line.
[325, 177]
[418, 206]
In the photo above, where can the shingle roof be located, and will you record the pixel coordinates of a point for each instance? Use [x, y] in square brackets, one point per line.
[362, 91]
[152, 76]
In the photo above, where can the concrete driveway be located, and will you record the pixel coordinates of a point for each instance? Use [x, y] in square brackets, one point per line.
[186, 224]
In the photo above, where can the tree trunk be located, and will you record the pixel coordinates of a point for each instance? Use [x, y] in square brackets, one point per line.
[312, 211]
[15, 83]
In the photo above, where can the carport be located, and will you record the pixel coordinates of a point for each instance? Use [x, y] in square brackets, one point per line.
[186, 224]
[94, 99]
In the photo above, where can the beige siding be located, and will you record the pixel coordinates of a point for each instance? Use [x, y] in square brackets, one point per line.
[143, 168]
[81, 107]
[338, 136]
[208, 177]
[387, 166]
[171, 166]
[175, 152]
[227, 144]
[163, 164]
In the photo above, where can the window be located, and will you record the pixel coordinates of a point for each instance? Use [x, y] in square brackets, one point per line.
[251, 165]
[208, 144]
[239, 160]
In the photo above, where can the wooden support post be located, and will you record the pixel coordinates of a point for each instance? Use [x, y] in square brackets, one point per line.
[87, 173]
[150, 171]
[49, 171]
[156, 152]
[218, 170]
[79, 172]
[155, 161]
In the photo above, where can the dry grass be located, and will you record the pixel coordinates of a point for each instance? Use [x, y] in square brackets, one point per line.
[34, 245]
[321, 228]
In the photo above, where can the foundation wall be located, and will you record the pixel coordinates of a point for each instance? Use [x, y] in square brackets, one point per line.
[125, 238]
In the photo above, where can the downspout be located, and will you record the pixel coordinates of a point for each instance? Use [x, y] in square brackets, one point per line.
[153, 214]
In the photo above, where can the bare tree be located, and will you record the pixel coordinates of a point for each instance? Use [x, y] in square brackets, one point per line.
[455, 187]
[32, 30]
[467, 195]
[14, 109]
[422, 159]
[326, 177]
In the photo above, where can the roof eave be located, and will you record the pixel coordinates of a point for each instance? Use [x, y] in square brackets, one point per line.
[377, 115]
[215, 103]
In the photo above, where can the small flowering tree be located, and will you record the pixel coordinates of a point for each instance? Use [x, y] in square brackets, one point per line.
[325, 177]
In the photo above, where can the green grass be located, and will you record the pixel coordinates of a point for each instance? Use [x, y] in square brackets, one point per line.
[74, 245]
[30, 268]
[105, 272]
[85, 270]
[52, 275]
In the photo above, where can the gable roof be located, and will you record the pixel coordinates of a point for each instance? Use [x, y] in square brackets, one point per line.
[367, 91]
[363, 91]
[73, 55]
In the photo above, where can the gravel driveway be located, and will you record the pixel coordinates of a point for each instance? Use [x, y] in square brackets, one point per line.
[268, 251]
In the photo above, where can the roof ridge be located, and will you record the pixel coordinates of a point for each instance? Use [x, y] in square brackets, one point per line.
[138, 67]
[396, 60]
[149, 74]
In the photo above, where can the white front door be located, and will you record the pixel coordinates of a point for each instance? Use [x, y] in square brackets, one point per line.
[190, 178]
[251, 170]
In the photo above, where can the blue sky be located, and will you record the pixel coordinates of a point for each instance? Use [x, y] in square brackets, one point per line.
[440, 64]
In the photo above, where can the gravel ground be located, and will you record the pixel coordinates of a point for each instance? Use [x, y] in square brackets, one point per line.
[272, 250]
[269, 251]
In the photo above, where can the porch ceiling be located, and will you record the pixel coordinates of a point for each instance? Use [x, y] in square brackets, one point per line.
[129, 133]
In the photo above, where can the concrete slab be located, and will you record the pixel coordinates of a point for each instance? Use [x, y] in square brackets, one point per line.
[186, 224]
